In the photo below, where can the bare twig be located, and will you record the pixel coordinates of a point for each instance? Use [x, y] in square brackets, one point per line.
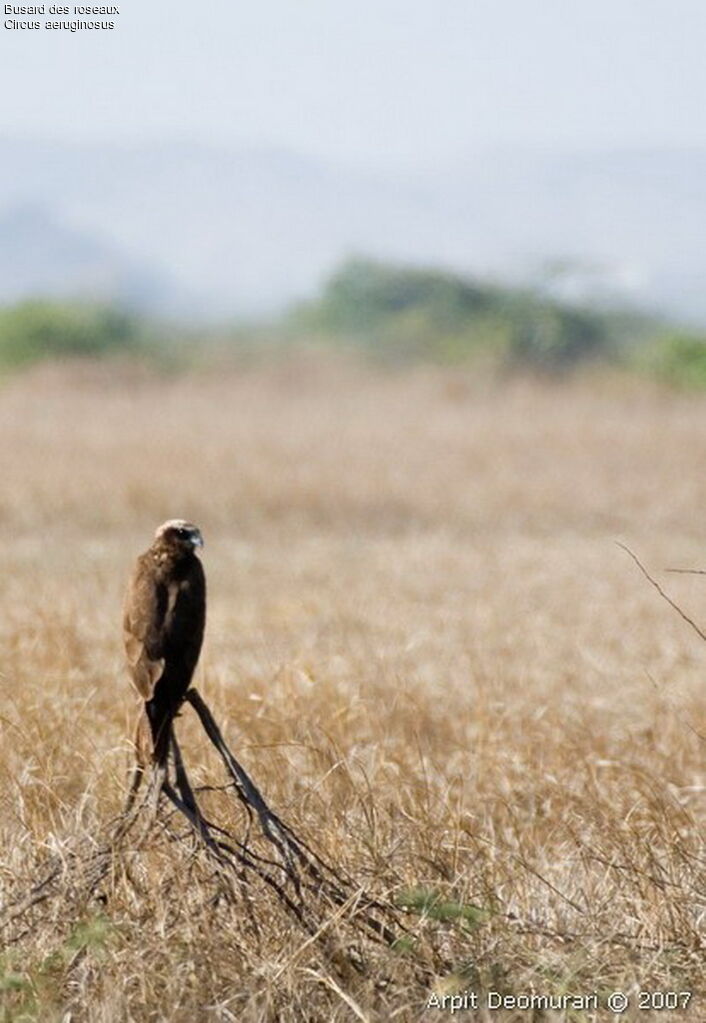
[665, 596]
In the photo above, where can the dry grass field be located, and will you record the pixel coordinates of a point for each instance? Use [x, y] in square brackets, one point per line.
[423, 644]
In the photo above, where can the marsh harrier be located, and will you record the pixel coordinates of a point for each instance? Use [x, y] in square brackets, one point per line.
[163, 622]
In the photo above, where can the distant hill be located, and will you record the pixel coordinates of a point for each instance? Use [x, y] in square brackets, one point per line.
[217, 232]
[40, 256]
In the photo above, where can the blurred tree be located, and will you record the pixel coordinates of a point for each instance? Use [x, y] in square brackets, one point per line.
[403, 311]
[363, 293]
[677, 357]
[39, 329]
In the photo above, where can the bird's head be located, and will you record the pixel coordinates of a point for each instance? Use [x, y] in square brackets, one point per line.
[179, 534]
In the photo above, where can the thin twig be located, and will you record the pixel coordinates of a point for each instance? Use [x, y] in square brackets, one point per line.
[665, 596]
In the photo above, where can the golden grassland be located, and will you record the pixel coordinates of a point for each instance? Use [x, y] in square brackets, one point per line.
[422, 642]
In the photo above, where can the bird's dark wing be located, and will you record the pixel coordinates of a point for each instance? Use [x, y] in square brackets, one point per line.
[145, 609]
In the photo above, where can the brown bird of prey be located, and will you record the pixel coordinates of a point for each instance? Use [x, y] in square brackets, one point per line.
[163, 622]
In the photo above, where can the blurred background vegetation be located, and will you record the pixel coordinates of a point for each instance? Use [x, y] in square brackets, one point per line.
[392, 313]
[39, 329]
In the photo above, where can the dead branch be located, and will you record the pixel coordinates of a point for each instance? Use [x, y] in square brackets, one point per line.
[314, 894]
[298, 858]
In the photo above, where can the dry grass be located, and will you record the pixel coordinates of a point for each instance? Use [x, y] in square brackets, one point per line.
[422, 642]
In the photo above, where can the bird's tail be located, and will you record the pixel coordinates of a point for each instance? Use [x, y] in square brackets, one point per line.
[160, 717]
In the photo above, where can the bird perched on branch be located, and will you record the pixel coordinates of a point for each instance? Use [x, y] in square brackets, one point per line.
[163, 622]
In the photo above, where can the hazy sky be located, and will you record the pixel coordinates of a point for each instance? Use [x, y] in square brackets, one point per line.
[379, 82]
